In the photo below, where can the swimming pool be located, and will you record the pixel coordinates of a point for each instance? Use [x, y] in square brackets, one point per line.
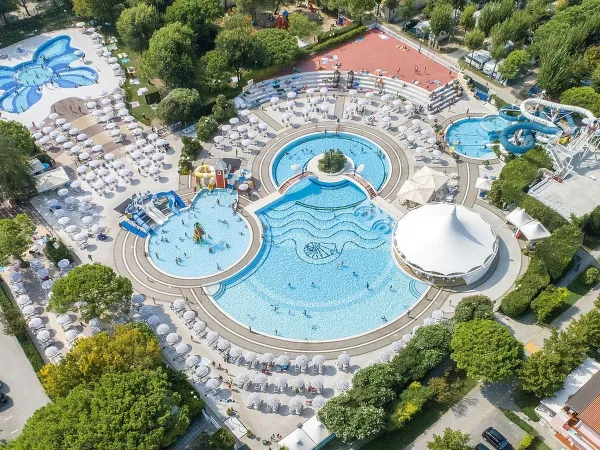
[358, 149]
[228, 237]
[323, 243]
[469, 137]
[21, 86]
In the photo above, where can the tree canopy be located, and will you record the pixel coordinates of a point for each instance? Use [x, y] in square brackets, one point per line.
[351, 423]
[474, 39]
[440, 20]
[195, 14]
[129, 411]
[301, 25]
[237, 45]
[16, 150]
[137, 24]
[127, 347]
[486, 350]
[180, 104]
[467, 17]
[515, 63]
[215, 73]
[105, 10]
[15, 237]
[450, 440]
[170, 55]
[276, 47]
[493, 13]
[474, 307]
[92, 289]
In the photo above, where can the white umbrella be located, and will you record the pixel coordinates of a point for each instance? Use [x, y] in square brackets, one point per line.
[91, 105]
[157, 157]
[106, 101]
[81, 137]
[172, 338]
[88, 143]
[324, 90]
[51, 352]
[74, 131]
[437, 153]
[140, 142]
[109, 156]
[87, 220]
[223, 344]
[37, 136]
[103, 172]
[154, 170]
[137, 154]
[98, 185]
[274, 100]
[425, 132]
[132, 126]
[202, 371]
[122, 112]
[97, 113]
[94, 164]
[161, 142]
[213, 384]
[115, 133]
[84, 155]
[130, 148]
[46, 130]
[162, 329]
[54, 134]
[420, 150]
[182, 348]
[411, 138]
[64, 220]
[485, 184]
[61, 140]
[47, 285]
[199, 326]
[80, 237]
[287, 115]
[111, 126]
[191, 361]
[234, 121]
[145, 162]
[53, 116]
[318, 402]
[72, 229]
[263, 126]
[246, 142]
[234, 136]
[23, 300]
[63, 192]
[291, 95]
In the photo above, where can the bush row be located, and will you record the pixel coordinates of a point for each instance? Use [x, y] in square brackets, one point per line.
[325, 36]
[534, 279]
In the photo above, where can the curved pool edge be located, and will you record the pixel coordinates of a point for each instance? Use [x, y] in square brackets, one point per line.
[476, 159]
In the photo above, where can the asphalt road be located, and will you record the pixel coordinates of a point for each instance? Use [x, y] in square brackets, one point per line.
[21, 385]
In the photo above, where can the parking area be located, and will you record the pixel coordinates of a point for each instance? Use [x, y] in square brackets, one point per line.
[21, 385]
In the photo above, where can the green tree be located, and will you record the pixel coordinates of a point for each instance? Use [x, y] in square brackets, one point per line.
[223, 109]
[332, 161]
[549, 300]
[15, 237]
[222, 439]
[137, 24]
[408, 405]
[587, 327]
[493, 13]
[7, 6]
[407, 10]
[127, 347]
[585, 97]
[450, 440]
[351, 423]
[592, 276]
[515, 29]
[195, 14]
[467, 18]
[104, 10]
[301, 25]
[238, 46]
[391, 5]
[276, 47]
[16, 150]
[358, 8]
[538, 11]
[440, 20]
[486, 350]
[93, 290]
[205, 128]
[474, 307]
[592, 58]
[214, 72]
[558, 250]
[132, 410]
[474, 40]
[515, 63]
[180, 104]
[559, 69]
[170, 55]
[543, 374]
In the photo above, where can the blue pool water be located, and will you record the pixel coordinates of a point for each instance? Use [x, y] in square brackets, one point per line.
[330, 235]
[21, 86]
[474, 134]
[200, 262]
[361, 151]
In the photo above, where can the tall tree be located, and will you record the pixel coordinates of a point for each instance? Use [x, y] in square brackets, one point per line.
[137, 24]
[450, 440]
[351, 424]
[180, 104]
[127, 347]
[104, 10]
[170, 55]
[486, 350]
[407, 10]
[15, 237]
[129, 411]
[237, 45]
[474, 307]
[493, 13]
[467, 18]
[196, 14]
[7, 6]
[214, 71]
[358, 8]
[515, 63]
[93, 290]
[276, 47]
[440, 20]
[391, 5]
[474, 40]
[301, 25]
[16, 150]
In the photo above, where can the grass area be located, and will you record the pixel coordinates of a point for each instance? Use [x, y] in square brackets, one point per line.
[527, 403]
[50, 20]
[399, 439]
[577, 289]
[28, 346]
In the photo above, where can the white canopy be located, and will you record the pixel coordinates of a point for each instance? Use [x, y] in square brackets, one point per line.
[309, 436]
[415, 192]
[445, 239]
[485, 184]
[534, 230]
[518, 217]
[51, 179]
[426, 175]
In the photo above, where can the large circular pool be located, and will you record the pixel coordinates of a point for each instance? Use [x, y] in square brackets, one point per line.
[360, 150]
[471, 137]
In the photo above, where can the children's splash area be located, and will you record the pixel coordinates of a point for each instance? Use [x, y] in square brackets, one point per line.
[473, 137]
[201, 239]
[21, 86]
[325, 269]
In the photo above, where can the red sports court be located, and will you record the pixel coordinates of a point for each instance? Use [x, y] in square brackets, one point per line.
[380, 53]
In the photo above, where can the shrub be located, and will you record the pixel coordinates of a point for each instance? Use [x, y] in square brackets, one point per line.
[409, 403]
[549, 301]
[332, 161]
[527, 441]
[206, 127]
[180, 105]
[339, 39]
[529, 285]
[592, 276]
[223, 109]
[55, 250]
[558, 250]
[474, 307]
[546, 215]
[336, 32]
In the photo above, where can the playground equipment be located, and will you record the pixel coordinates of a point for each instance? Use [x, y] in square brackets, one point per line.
[198, 233]
[282, 22]
[143, 206]
[175, 201]
[311, 8]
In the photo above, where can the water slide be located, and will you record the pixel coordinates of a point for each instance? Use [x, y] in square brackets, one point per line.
[552, 105]
[527, 139]
[154, 213]
[143, 225]
[135, 230]
[175, 202]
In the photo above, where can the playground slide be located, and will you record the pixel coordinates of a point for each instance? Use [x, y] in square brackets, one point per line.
[154, 213]
[528, 141]
[135, 230]
[144, 226]
[175, 202]
[502, 112]
[558, 106]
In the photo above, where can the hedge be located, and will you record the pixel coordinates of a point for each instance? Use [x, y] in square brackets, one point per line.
[338, 39]
[325, 36]
[557, 251]
[55, 250]
[534, 279]
[546, 215]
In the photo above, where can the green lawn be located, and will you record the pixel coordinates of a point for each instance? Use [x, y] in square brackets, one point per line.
[577, 289]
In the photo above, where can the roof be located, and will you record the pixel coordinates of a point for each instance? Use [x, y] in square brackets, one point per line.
[574, 381]
[480, 56]
[534, 230]
[445, 239]
[311, 435]
[518, 217]
[51, 179]
[591, 414]
[586, 394]
[316, 430]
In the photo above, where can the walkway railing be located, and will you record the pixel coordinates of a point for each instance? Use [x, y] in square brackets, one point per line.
[285, 186]
[365, 184]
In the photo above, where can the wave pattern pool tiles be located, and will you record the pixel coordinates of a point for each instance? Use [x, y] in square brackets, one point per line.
[470, 136]
[21, 85]
[227, 241]
[361, 151]
[332, 236]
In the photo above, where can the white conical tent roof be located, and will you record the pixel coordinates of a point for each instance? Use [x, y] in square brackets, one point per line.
[415, 192]
[426, 176]
[445, 239]
[534, 230]
[518, 217]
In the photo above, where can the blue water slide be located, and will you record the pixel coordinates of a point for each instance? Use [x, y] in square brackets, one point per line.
[143, 225]
[175, 201]
[504, 113]
[135, 230]
[528, 141]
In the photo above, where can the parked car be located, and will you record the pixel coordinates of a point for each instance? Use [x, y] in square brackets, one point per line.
[495, 438]
[481, 447]
[3, 398]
